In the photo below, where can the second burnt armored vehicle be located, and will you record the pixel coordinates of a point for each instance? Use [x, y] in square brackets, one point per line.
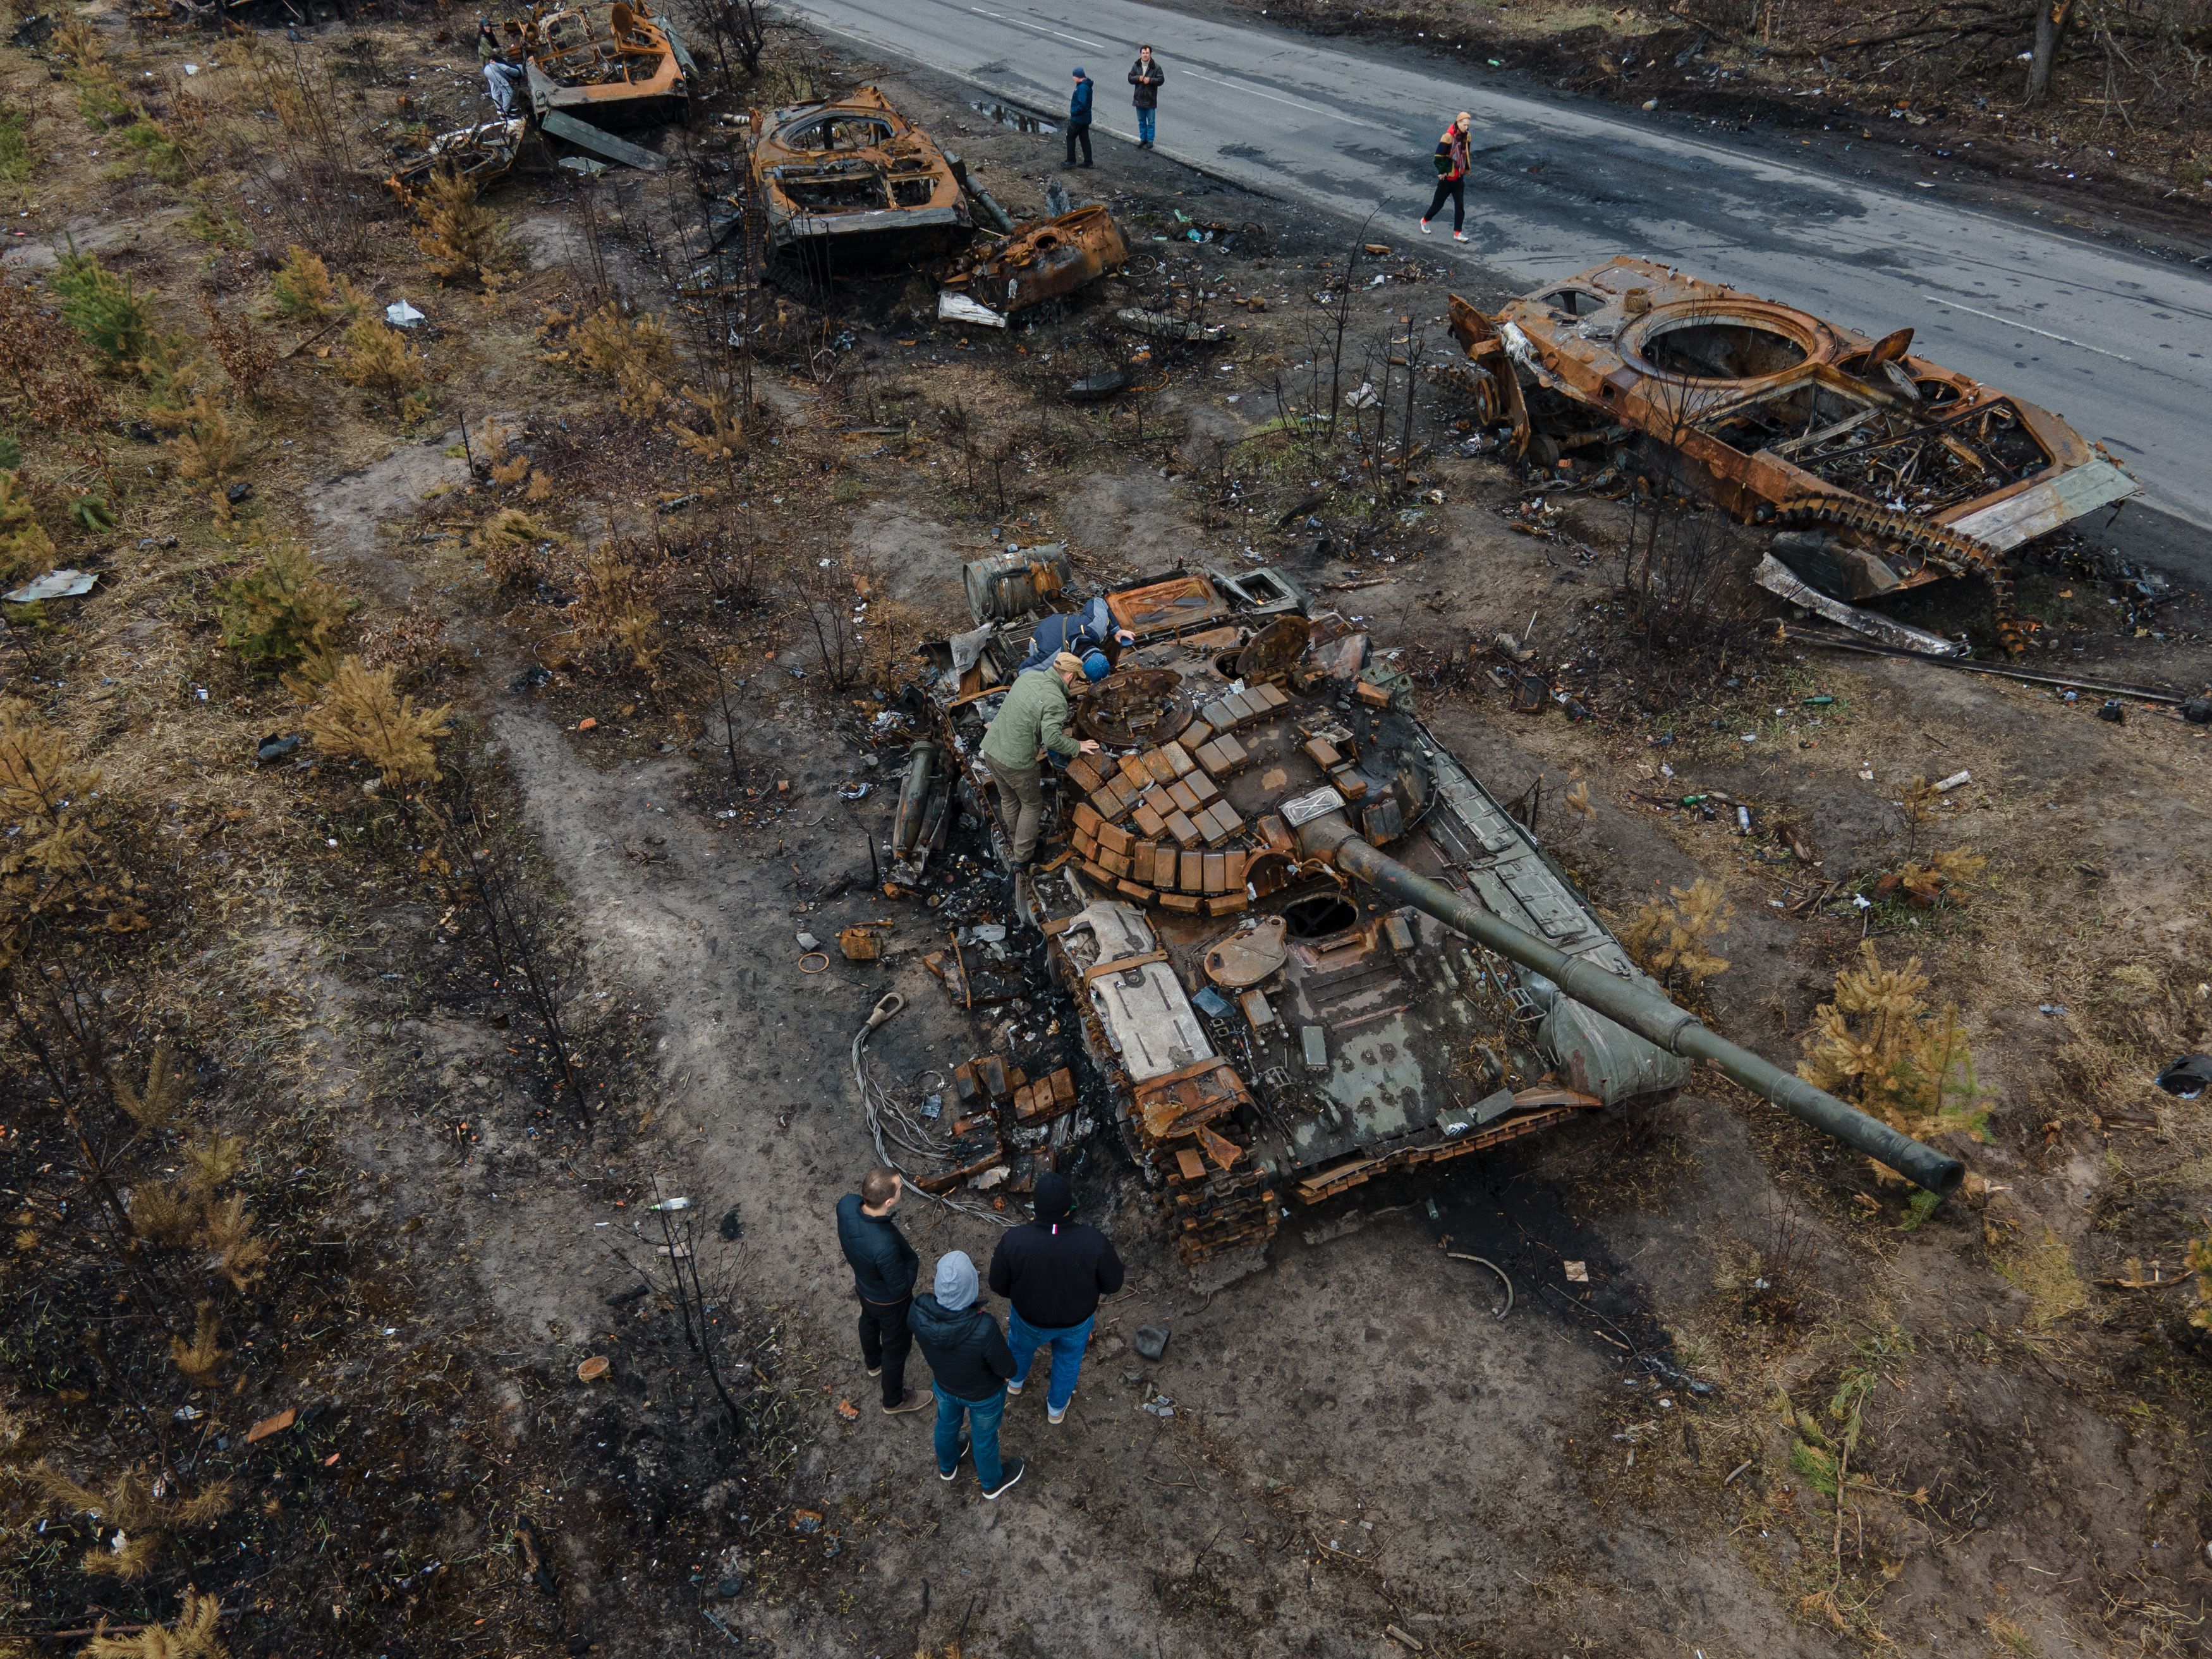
[1305, 944]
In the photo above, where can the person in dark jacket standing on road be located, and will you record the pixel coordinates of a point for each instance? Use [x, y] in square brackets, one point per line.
[1145, 75]
[884, 1268]
[1052, 1273]
[1451, 161]
[967, 1353]
[1079, 116]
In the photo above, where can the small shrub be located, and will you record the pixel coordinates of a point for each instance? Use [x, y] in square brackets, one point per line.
[636, 353]
[247, 355]
[62, 870]
[208, 450]
[194, 1636]
[15, 148]
[504, 467]
[306, 291]
[106, 312]
[1670, 938]
[721, 438]
[1944, 876]
[280, 613]
[26, 549]
[614, 607]
[163, 159]
[381, 361]
[509, 540]
[361, 714]
[462, 240]
[1881, 1047]
[176, 377]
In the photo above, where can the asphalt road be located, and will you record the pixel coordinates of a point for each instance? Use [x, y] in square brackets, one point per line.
[2122, 346]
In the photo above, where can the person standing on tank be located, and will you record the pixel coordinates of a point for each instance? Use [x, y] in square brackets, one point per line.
[1147, 76]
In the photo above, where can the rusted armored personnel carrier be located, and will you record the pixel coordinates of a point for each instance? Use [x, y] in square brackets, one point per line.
[853, 175]
[1894, 469]
[1304, 944]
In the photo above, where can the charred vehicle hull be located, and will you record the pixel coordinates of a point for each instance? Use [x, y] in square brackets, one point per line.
[1278, 1008]
[1900, 470]
[853, 181]
[612, 66]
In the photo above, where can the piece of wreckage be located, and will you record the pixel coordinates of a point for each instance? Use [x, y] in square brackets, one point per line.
[1884, 470]
[590, 73]
[996, 281]
[1267, 1004]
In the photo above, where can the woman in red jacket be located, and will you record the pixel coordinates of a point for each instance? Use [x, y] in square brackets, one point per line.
[1451, 161]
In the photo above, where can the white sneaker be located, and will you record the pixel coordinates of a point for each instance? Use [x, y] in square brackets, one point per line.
[1459, 236]
[1051, 1416]
[1013, 1388]
[1425, 227]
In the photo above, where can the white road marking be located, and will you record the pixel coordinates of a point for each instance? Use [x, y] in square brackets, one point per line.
[1276, 97]
[2028, 328]
[1038, 28]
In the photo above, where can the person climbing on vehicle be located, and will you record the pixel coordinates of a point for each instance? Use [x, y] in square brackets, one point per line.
[1079, 633]
[1451, 160]
[969, 1363]
[508, 80]
[1147, 76]
[1033, 718]
[1079, 116]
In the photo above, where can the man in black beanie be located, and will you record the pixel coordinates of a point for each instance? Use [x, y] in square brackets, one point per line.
[1052, 1271]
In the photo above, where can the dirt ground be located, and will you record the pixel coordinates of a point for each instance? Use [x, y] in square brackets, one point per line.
[1354, 1457]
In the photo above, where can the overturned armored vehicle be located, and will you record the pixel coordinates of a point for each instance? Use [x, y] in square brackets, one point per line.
[1304, 944]
[1889, 471]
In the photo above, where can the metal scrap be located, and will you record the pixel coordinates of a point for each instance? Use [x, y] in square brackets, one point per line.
[1047, 261]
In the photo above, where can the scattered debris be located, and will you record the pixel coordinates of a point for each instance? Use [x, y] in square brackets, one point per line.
[2187, 1075]
[54, 585]
[1577, 1272]
[592, 1370]
[269, 1426]
[1150, 1341]
[1778, 579]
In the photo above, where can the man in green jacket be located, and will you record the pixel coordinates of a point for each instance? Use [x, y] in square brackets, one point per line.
[1032, 719]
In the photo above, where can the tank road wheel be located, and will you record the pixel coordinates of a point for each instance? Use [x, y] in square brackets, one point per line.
[1543, 450]
[1934, 544]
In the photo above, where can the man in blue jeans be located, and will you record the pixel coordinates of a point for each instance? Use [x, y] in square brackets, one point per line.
[1052, 1271]
[970, 1362]
[1146, 77]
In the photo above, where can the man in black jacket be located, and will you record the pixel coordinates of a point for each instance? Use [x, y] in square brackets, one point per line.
[883, 1267]
[967, 1355]
[1146, 77]
[1052, 1271]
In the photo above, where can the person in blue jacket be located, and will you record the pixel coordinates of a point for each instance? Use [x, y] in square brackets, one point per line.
[1078, 117]
[1080, 634]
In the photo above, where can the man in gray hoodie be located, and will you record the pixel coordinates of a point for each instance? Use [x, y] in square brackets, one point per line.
[970, 1363]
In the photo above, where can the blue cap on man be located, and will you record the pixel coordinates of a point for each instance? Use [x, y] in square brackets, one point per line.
[1078, 72]
[1094, 666]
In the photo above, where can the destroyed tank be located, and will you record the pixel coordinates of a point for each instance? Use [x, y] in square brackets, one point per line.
[1304, 945]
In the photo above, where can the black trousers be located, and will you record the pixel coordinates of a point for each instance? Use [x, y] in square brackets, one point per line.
[1456, 190]
[1078, 134]
[885, 1342]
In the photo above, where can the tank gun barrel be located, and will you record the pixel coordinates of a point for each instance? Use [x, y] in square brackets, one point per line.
[1645, 1012]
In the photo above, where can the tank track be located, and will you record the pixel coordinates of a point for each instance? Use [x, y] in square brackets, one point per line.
[1939, 545]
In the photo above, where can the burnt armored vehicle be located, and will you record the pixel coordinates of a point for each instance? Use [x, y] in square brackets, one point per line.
[1304, 944]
